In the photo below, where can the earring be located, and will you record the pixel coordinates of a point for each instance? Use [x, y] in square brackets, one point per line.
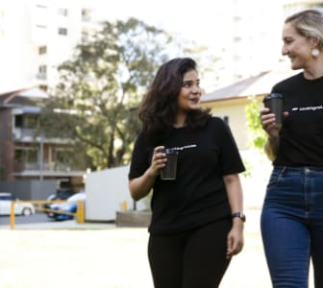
[315, 52]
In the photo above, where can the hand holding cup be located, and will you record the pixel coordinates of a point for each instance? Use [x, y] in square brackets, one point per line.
[169, 171]
[274, 102]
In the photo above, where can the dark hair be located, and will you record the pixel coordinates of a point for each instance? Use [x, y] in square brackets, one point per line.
[158, 109]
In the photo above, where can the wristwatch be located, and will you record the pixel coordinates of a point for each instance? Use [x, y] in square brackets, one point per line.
[239, 215]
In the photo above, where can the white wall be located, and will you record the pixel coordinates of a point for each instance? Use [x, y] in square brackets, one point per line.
[106, 190]
[254, 186]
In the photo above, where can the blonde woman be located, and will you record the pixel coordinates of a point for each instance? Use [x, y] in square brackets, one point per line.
[292, 216]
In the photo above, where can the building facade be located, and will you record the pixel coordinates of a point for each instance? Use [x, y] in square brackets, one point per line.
[36, 36]
[26, 155]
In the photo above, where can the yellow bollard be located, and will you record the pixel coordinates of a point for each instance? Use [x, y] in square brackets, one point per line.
[124, 205]
[12, 215]
[80, 212]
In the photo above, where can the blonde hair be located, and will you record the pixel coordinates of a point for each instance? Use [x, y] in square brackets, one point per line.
[308, 23]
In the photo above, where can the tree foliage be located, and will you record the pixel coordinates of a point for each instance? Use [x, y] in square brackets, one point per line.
[258, 136]
[96, 100]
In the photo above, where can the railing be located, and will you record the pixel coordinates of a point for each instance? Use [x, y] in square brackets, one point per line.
[79, 215]
[86, 18]
[41, 76]
[24, 132]
[46, 166]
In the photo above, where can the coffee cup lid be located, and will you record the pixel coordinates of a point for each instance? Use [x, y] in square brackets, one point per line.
[272, 95]
[171, 151]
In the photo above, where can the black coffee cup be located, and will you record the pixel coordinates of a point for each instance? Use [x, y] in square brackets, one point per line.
[274, 102]
[169, 171]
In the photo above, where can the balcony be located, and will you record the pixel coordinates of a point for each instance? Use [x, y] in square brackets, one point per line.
[41, 76]
[28, 135]
[20, 133]
[46, 169]
[86, 18]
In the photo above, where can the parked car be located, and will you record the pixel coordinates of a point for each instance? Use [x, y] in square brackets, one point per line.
[21, 208]
[70, 206]
[59, 195]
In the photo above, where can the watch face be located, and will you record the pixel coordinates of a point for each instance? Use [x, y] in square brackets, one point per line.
[239, 215]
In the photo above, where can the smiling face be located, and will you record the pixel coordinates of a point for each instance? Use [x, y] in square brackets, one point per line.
[297, 47]
[190, 93]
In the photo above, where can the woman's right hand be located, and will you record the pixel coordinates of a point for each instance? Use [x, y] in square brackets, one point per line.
[158, 161]
[140, 187]
[268, 120]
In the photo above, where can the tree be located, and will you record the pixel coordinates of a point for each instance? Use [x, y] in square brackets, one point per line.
[258, 135]
[1, 168]
[96, 100]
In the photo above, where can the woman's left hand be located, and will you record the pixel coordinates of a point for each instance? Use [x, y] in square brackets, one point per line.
[235, 238]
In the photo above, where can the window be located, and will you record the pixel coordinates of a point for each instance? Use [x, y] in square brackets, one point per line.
[27, 155]
[18, 121]
[62, 11]
[6, 197]
[237, 39]
[1, 23]
[62, 31]
[42, 50]
[43, 87]
[63, 156]
[26, 121]
[86, 15]
[42, 69]
[85, 36]
[31, 121]
[41, 26]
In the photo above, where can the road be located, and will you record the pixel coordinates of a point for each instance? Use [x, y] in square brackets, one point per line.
[36, 218]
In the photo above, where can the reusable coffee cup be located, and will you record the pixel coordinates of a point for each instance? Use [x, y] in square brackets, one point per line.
[169, 171]
[274, 102]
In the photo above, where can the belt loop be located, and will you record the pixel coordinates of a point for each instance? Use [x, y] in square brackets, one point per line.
[284, 170]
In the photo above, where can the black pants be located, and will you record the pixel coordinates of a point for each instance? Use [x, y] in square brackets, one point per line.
[194, 259]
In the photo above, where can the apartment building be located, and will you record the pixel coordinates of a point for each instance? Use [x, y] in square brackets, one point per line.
[251, 40]
[230, 101]
[26, 155]
[248, 40]
[293, 6]
[36, 36]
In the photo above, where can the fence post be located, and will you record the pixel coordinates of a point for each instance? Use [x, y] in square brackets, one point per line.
[12, 215]
[80, 212]
[124, 205]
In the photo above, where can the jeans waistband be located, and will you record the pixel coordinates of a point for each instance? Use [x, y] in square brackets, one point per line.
[303, 170]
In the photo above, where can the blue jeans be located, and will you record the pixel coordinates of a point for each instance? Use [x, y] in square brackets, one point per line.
[292, 226]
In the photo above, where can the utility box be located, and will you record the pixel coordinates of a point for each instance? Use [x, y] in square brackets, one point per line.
[107, 192]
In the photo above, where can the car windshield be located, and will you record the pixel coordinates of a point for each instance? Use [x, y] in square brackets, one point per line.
[6, 197]
[76, 197]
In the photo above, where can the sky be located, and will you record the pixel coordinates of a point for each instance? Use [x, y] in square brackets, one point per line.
[205, 23]
[197, 20]
[202, 22]
[193, 20]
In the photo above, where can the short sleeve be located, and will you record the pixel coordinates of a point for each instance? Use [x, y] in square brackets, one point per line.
[230, 158]
[141, 157]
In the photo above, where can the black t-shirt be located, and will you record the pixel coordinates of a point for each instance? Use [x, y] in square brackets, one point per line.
[301, 137]
[198, 194]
